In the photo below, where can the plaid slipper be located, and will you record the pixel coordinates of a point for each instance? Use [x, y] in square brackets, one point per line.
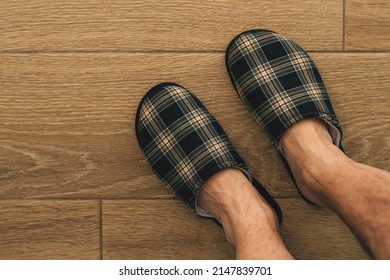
[279, 83]
[185, 145]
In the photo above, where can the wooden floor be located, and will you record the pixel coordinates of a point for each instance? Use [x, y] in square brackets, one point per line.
[73, 182]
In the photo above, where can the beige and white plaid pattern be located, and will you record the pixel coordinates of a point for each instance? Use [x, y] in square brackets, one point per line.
[182, 141]
[278, 81]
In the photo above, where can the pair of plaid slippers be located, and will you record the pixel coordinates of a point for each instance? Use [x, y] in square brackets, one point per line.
[185, 145]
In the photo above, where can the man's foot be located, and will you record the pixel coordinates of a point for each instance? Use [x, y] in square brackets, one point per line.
[310, 152]
[282, 87]
[358, 193]
[249, 222]
[231, 198]
[185, 145]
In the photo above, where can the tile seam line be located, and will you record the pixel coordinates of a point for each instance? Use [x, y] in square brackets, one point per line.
[344, 19]
[100, 200]
[101, 229]
[78, 199]
[170, 52]
[49, 199]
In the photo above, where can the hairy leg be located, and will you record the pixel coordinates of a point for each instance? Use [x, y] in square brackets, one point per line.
[358, 193]
[249, 222]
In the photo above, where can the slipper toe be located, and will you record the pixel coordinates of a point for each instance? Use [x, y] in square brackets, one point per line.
[279, 83]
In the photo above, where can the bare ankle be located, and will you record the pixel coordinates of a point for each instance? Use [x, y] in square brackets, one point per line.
[312, 157]
[307, 137]
[232, 199]
[218, 192]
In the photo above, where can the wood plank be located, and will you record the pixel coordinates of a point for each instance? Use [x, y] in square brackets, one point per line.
[67, 121]
[49, 230]
[165, 229]
[367, 25]
[160, 229]
[360, 90]
[312, 232]
[121, 25]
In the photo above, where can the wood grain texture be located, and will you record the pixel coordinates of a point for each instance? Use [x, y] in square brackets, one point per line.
[360, 94]
[67, 121]
[121, 25]
[49, 229]
[312, 232]
[72, 74]
[164, 229]
[160, 229]
[367, 25]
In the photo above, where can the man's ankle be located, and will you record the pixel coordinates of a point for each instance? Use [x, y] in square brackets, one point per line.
[312, 157]
[233, 200]
[219, 191]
